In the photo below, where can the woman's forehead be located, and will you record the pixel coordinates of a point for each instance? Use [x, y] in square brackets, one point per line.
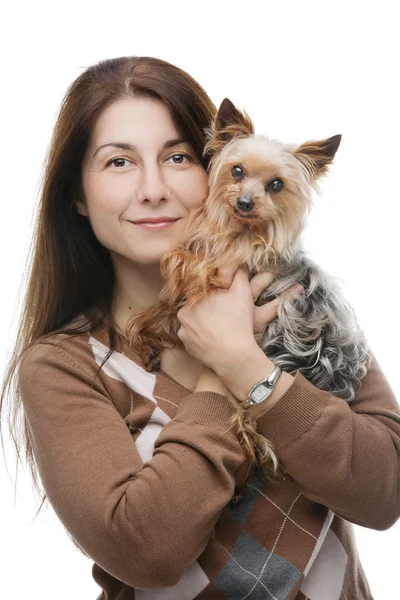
[131, 119]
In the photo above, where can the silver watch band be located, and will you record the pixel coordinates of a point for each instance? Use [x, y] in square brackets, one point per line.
[261, 390]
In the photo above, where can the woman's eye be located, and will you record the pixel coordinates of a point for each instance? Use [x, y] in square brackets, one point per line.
[180, 155]
[275, 185]
[118, 160]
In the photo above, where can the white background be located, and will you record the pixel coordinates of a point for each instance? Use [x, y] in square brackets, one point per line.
[302, 70]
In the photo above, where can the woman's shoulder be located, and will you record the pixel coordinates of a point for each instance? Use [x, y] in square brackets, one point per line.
[68, 364]
[82, 347]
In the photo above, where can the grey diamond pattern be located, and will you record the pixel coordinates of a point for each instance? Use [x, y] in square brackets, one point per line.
[254, 573]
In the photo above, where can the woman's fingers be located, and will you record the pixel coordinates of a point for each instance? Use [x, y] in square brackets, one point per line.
[266, 313]
[226, 274]
[260, 282]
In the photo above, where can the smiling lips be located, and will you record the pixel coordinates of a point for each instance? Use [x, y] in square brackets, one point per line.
[155, 224]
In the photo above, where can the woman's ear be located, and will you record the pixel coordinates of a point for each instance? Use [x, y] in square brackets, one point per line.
[81, 208]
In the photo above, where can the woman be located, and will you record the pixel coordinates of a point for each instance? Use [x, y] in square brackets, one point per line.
[140, 467]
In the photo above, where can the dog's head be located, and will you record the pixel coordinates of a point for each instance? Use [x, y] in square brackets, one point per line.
[259, 182]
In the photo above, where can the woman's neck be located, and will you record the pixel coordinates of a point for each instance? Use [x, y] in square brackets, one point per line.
[136, 287]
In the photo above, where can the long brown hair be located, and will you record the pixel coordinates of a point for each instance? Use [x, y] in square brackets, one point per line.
[68, 271]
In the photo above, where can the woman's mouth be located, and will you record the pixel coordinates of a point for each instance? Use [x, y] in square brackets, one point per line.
[156, 226]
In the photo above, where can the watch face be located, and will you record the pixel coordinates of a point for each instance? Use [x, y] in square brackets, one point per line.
[260, 393]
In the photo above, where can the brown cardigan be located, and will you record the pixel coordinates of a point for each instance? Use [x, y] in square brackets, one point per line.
[141, 473]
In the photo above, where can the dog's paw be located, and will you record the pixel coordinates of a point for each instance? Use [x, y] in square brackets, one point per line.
[151, 357]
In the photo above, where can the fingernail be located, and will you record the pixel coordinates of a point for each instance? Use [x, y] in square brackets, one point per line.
[297, 290]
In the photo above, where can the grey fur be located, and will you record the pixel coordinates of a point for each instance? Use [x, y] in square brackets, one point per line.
[318, 333]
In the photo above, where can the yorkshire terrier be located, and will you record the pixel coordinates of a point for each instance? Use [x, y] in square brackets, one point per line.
[260, 193]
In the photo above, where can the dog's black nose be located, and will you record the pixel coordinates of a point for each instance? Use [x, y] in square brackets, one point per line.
[245, 203]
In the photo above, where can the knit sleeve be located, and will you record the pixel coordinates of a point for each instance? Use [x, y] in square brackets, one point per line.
[144, 523]
[343, 455]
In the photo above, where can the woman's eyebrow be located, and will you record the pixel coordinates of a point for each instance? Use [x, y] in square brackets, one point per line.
[126, 146]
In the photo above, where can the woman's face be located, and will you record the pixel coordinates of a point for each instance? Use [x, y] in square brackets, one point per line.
[136, 177]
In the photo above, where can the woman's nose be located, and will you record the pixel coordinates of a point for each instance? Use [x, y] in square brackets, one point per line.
[152, 186]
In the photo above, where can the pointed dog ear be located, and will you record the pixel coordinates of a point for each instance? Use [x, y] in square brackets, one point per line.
[229, 120]
[316, 156]
[228, 123]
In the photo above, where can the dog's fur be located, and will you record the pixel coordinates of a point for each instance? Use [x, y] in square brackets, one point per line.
[249, 221]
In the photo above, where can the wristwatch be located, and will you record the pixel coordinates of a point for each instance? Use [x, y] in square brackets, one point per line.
[263, 389]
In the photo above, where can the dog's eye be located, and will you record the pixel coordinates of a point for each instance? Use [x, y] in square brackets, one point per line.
[275, 185]
[237, 172]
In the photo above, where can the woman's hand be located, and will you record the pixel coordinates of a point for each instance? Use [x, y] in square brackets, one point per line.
[219, 330]
[220, 326]
[266, 313]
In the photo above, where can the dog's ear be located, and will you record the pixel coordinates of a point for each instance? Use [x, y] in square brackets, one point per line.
[316, 156]
[228, 123]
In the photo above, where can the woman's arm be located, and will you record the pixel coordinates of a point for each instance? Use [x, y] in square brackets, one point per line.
[127, 508]
[209, 382]
[342, 455]
[251, 366]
